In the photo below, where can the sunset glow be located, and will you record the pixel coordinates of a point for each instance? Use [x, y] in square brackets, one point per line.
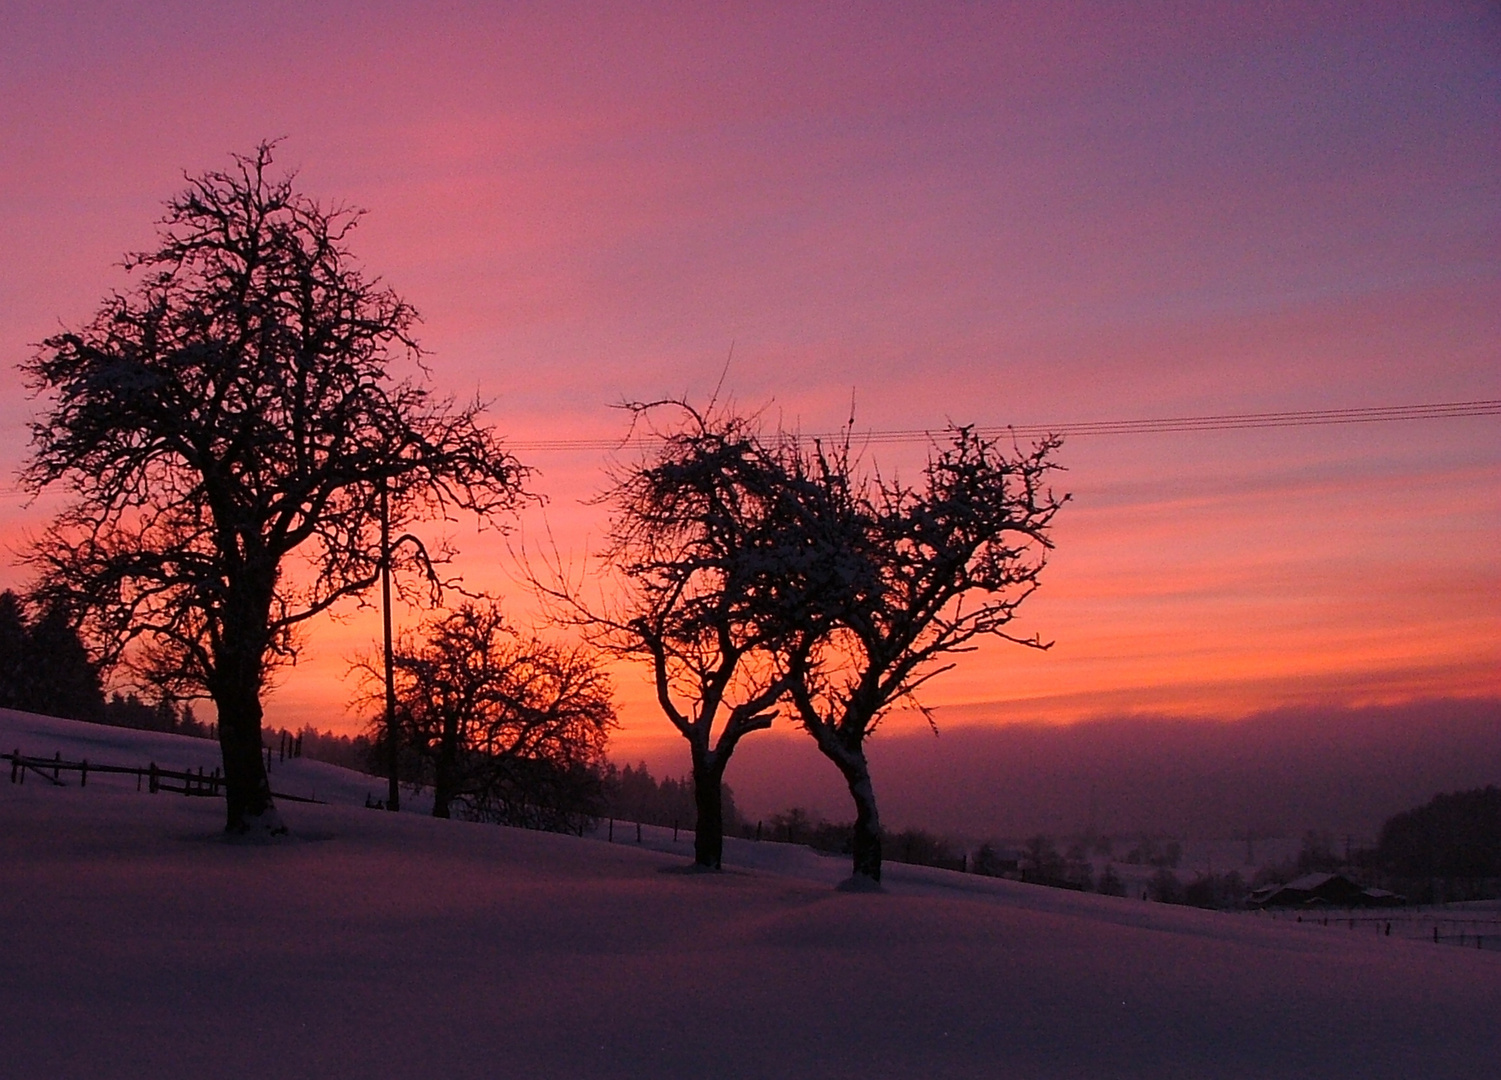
[975, 214]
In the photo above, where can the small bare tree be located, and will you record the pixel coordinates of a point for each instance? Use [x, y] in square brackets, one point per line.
[227, 428]
[701, 572]
[499, 717]
[913, 576]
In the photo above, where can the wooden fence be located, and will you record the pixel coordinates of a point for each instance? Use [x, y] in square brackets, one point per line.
[154, 778]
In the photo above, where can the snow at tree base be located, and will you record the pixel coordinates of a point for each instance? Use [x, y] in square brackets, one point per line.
[139, 942]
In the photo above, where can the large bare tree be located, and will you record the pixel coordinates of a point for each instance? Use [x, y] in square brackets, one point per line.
[914, 576]
[700, 579]
[227, 427]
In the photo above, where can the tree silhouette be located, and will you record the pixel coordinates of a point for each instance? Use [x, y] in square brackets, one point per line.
[44, 667]
[700, 571]
[495, 715]
[226, 427]
[912, 576]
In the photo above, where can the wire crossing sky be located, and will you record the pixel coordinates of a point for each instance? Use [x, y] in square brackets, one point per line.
[1224, 422]
[1262, 223]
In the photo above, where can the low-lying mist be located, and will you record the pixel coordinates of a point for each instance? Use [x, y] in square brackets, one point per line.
[1344, 770]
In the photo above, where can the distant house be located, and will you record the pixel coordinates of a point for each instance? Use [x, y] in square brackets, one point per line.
[1322, 890]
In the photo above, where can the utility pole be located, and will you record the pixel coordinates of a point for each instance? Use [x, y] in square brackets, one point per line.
[393, 790]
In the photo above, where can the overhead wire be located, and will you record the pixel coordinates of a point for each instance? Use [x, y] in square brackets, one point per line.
[1441, 410]
[1444, 410]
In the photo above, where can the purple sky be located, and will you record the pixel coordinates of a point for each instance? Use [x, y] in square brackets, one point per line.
[979, 213]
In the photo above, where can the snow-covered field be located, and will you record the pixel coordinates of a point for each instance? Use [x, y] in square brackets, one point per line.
[134, 941]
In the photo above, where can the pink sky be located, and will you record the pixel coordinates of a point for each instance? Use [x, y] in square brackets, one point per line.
[969, 212]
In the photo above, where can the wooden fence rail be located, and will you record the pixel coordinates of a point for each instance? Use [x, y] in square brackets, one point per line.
[155, 778]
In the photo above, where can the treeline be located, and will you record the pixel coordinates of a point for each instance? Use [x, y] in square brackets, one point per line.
[45, 669]
[916, 847]
[1447, 849]
[631, 794]
[355, 752]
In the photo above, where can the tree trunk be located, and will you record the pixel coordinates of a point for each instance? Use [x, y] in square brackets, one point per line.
[708, 790]
[867, 839]
[247, 789]
[867, 832]
[236, 688]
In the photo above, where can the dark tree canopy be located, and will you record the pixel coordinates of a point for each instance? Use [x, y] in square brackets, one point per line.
[909, 576]
[1457, 835]
[507, 726]
[698, 562]
[226, 427]
[44, 667]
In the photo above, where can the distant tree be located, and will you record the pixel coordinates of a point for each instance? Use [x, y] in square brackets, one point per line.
[910, 577]
[1457, 835]
[507, 725]
[917, 847]
[354, 752]
[1041, 861]
[12, 649]
[1165, 887]
[1150, 852]
[1110, 883]
[634, 794]
[702, 572]
[797, 826]
[993, 862]
[228, 429]
[44, 667]
[1215, 890]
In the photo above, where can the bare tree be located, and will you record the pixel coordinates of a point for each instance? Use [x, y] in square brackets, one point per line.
[498, 717]
[914, 576]
[226, 428]
[701, 579]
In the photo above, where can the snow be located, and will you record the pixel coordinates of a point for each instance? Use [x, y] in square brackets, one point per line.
[45, 736]
[138, 942]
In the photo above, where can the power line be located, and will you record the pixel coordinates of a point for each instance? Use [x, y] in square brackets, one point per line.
[1448, 410]
[1444, 410]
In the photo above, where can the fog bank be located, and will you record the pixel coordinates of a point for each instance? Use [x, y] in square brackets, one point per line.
[1276, 773]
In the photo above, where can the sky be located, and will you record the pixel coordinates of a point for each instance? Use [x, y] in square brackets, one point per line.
[971, 213]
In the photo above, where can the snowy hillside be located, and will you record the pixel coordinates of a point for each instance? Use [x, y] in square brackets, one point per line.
[45, 736]
[137, 942]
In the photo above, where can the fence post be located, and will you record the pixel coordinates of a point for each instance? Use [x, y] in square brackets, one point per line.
[57, 766]
[15, 765]
[155, 782]
[83, 774]
[612, 830]
[674, 831]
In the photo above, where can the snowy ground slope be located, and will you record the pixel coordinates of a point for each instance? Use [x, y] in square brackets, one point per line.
[45, 736]
[136, 942]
